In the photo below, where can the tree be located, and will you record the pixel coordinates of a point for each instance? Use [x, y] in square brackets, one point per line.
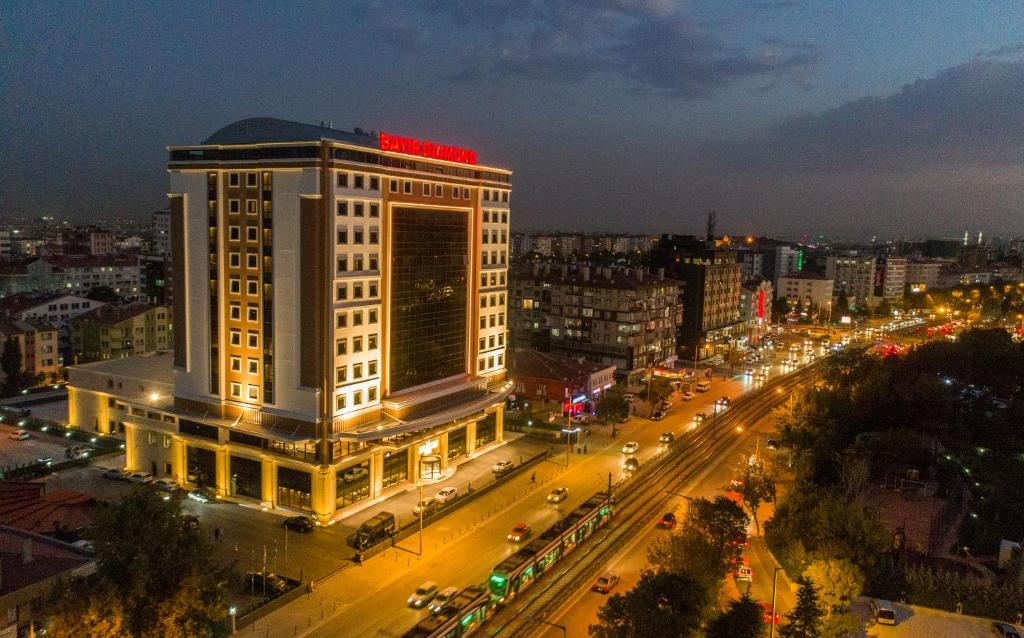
[661, 389]
[613, 407]
[780, 308]
[842, 303]
[160, 570]
[80, 612]
[105, 294]
[883, 309]
[661, 604]
[837, 581]
[805, 619]
[743, 619]
[841, 625]
[10, 363]
[854, 471]
[755, 484]
[704, 542]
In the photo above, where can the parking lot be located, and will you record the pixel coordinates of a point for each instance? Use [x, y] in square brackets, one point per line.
[19, 453]
[922, 622]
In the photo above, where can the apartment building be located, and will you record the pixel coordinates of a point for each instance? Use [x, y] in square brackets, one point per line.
[756, 299]
[853, 274]
[38, 342]
[891, 278]
[116, 331]
[622, 317]
[339, 313]
[807, 292]
[58, 310]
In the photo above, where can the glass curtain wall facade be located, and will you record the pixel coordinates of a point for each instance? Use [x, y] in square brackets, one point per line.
[429, 279]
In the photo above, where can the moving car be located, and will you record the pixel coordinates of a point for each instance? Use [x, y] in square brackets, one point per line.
[580, 419]
[632, 447]
[298, 524]
[423, 595]
[749, 372]
[19, 435]
[502, 466]
[688, 396]
[605, 582]
[723, 402]
[426, 506]
[700, 418]
[766, 613]
[743, 572]
[658, 416]
[703, 386]
[443, 597]
[666, 437]
[668, 521]
[200, 496]
[558, 495]
[446, 494]
[45, 460]
[519, 533]
[631, 465]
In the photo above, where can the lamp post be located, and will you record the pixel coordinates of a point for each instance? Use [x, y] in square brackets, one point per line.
[774, 614]
[233, 611]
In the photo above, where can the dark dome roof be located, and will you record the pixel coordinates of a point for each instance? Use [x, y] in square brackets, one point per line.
[261, 130]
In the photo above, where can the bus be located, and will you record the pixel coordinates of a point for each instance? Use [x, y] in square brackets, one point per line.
[520, 570]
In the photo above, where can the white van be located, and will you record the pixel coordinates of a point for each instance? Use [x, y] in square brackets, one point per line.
[883, 611]
[703, 386]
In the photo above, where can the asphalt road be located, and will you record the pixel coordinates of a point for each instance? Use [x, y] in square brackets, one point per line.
[462, 548]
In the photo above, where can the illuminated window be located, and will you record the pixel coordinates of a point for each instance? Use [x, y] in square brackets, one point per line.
[236, 389]
[371, 394]
[254, 392]
[251, 206]
[357, 397]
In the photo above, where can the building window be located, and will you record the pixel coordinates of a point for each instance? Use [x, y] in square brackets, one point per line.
[374, 210]
[254, 392]
[371, 394]
[373, 289]
[357, 318]
[342, 236]
[373, 235]
[252, 287]
[250, 180]
[342, 209]
[234, 179]
[426, 189]
[395, 468]
[407, 187]
[357, 235]
[233, 233]
[251, 206]
[373, 261]
[357, 209]
[341, 374]
[253, 312]
[393, 185]
[236, 337]
[357, 344]
[374, 183]
[357, 371]
[251, 233]
[371, 368]
[342, 263]
[339, 402]
[236, 389]
[465, 193]
[359, 181]
[236, 364]
[341, 320]
[254, 339]
[235, 311]
[253, 366]
[372, 319]
[371, 342]
[252, 261]
[438, 190]
[342, 292]
[343, 180]
[357, 397]
[233, 206]
[341, 347]
[234, 285]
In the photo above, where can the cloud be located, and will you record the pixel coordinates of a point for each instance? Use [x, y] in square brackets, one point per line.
[971, 114]
[1002, 52]
[656, 45]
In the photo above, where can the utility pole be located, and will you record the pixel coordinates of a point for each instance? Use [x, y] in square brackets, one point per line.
[774, 614]
[420, 484]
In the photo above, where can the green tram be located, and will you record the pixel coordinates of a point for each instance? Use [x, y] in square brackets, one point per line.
[466, 613]
[519, 570]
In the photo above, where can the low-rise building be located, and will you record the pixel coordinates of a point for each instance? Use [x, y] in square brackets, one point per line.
[57, 309]
[922, 276]
[32, 565]
[38, 341]
[807, 291]
[756, 299]
[114, 331]
[549, 377]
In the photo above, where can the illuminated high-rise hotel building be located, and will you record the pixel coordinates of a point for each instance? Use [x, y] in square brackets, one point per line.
[339, 317]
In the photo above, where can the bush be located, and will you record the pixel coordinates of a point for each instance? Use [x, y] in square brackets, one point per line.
[943, 590]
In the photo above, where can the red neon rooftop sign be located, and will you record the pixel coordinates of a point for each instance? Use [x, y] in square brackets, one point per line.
[426, 148]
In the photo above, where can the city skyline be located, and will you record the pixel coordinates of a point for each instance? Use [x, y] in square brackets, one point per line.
[784, 118]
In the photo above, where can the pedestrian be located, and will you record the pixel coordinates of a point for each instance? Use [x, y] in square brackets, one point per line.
[959, 608]
[533, 477]
[216, 534]
[584, 448]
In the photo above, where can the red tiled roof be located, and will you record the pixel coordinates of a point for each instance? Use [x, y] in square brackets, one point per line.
[112, 314]
[25, 506]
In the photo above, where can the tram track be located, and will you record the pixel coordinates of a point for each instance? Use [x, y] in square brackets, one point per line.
[640, 499]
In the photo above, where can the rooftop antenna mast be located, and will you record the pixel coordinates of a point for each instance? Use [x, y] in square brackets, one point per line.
[712, 221]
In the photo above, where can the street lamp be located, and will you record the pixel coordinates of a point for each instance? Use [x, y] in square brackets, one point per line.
[774, 614]
[233, 611]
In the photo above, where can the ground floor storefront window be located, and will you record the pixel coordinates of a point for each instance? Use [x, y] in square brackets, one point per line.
[486, 430]
[246, 477]
[396, 468]
[202, 466]
[456, 443]
[352, 484]
[294, 488]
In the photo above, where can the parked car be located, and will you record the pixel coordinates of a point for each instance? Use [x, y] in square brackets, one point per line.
[426, 506]
[604, 583]
[302, 524]
[658, 416]
[200, 496]
[354, 474]
[666, 437]
[743, 572]
[519, 533]
[1002, 629]
[631, 447]
[166, 484]
[772, 444]
[502, 466]
[83, 545]
[446, 494]
[189, 521]
[116, 474]
[443, 597]
[423, 595]
[19, 435]
[140, 477]
[668, 521]
[76, 452]
[580, 419]
[45, 460]
[267, 584]
[558, 495]
[688, 396]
